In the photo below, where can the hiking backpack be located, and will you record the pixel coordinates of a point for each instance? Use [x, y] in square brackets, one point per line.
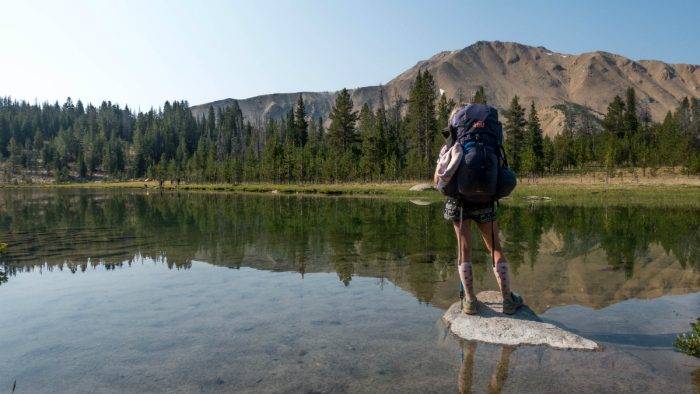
[483, 174]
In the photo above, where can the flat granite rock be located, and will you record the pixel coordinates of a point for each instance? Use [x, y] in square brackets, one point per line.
[524, 327]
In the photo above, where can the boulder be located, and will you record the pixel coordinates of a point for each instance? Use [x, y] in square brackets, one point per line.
[524, 327]
[421, 187]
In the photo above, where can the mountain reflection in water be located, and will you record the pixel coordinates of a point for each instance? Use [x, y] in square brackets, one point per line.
[560, 255]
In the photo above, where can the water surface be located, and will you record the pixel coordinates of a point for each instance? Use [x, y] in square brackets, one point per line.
[115, 291]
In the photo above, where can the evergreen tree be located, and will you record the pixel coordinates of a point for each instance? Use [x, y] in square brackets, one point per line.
[82, 167]
[370, 158]
[479, 96]
[422, 125]
[514, 129]
[342, 136]
[528, 163]
[300, 123]
[444, 107]
[395, 142]
[614, 121]
[631, 120]
[381, 125]
[610, 157]
[548, 155]
[210, 123]
[534, 141]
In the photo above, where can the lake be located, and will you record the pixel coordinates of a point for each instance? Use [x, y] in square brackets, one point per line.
[142, 291]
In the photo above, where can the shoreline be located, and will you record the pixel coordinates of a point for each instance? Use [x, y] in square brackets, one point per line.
[552, 190]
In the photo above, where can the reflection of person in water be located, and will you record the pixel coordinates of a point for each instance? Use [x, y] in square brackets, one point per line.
[499, 376]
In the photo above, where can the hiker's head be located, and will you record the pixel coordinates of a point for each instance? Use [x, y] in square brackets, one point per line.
[451, 124]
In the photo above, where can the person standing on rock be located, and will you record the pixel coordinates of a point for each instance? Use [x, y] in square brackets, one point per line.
[473, 173]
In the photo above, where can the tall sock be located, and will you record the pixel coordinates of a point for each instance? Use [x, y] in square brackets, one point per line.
[465, 275]
[501, 271]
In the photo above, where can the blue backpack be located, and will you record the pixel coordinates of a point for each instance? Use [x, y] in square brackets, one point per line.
[483, 174]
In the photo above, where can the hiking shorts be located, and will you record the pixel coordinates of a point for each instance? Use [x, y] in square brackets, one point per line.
[478, 212]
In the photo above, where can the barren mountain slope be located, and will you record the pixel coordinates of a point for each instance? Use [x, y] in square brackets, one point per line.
[505, 69]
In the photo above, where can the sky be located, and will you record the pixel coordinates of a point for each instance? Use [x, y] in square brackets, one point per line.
[142, 53]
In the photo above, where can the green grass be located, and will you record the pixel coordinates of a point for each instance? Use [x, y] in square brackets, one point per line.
[690, 343]
[590, 194]
[554, 193]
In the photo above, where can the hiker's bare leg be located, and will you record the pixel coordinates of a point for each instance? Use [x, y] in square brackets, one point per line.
[500, 269]
[464, 382]
[464, 265]
[500, 375]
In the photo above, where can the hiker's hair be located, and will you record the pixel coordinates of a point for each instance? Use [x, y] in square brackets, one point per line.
[454, 111]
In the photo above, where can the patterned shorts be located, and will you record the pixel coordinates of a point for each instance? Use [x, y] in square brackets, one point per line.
[478, 212]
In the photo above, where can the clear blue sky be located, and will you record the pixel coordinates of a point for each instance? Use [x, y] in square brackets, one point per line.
[142, 53]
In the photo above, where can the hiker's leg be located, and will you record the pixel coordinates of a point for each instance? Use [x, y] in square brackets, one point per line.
[500, 269]
[464, 383]
[500, 375]
[464, 265]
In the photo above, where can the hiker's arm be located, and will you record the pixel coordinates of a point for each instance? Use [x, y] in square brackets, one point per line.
[443, 151]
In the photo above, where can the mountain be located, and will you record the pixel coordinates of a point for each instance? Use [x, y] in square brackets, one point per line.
[584, 83]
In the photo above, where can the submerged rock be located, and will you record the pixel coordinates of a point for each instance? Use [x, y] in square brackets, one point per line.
[523, 328]
[420, 202]
[537, 198]
[421, 187]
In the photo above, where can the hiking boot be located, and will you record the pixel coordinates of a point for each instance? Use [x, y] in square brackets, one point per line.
[469, 306]
[511, 305]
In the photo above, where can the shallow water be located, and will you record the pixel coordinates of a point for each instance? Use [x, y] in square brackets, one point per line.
[135, 291]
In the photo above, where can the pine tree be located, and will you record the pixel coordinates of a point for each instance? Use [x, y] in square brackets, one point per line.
[631, 120]
[610, 158]
[342, 136]
[631, 126]
[15, 151]
[548, 154]
[211, 123]
[395, 141]
[172, 171]
[319, 130]
[82, 167]
[444, 107]
[479, 96]
[515, 133]
[370, 158]
[528, 163]
[534, 140]
[422, 125]
[380, 136]
[614, 122]
[300, 123]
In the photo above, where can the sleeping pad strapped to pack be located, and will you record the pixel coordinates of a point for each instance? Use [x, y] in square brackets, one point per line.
[483, 174]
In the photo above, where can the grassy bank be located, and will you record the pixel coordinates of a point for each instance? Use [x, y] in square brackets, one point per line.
[554, 190]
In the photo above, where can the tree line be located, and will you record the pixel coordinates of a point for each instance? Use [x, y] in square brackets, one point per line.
[392, 141]
[625, 137]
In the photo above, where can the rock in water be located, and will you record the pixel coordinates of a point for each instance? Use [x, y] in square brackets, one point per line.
[522, 328]
[421, 187]
[420, 202]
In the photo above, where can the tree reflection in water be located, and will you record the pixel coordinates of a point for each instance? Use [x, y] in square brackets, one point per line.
[410, 245]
